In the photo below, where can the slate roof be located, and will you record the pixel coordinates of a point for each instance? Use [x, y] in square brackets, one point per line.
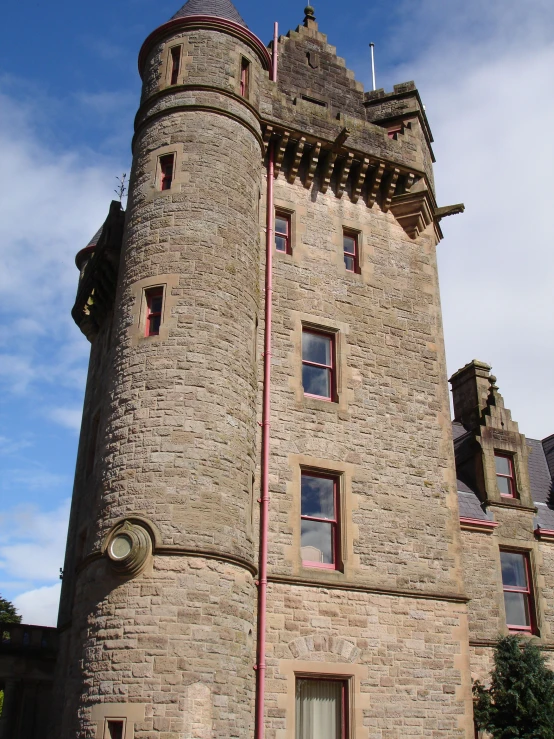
[217, 8]
[548, 448]
[541, 474]
[95, 238]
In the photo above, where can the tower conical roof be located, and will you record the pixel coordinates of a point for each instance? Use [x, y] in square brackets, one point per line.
[218, 8]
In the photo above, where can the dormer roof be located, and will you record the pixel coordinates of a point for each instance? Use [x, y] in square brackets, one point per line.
[218, 8]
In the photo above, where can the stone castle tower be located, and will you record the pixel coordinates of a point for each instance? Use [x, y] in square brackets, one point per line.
[364, 609]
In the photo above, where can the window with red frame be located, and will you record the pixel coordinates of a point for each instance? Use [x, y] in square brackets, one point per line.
[351, 251]
[505, 478]
[175, 64]
[244, 77]
[319, 514]
[321, 708]
[318, 364]
[154, 304]
[167, 164]
[518, 595]
[282, 232]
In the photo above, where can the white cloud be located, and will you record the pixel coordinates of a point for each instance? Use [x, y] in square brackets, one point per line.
[68, 417]
[32, 543]
[10, 447]
[39, 607]
[48, 211]
[485, 74]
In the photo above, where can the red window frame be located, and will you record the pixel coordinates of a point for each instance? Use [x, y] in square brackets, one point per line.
[330, 367]
[283, 234]
[244, 77]
[152, 315]
[527, 591]
[511, 477]
[355, 254]
[334, 522]
[345, 698]
[167, 165]
[175, 64]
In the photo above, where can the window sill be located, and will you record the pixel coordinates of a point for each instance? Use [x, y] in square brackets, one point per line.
[320, 404]
[321, 574]
[510, 503]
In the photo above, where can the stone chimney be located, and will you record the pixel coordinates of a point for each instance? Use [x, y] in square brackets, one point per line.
[470, 390]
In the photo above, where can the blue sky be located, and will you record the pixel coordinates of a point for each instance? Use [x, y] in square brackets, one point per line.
[69, 89]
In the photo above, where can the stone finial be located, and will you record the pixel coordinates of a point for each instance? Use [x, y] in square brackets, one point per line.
[494, 395]
[309, 20]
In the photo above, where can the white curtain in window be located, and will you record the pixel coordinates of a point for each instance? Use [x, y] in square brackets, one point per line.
[318, 709]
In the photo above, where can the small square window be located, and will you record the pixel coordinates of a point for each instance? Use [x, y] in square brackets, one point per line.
[505, 478]
[282, 232]
[167, 164]
[321, 708]
[115, 728]
[318, 364]
[319, 514]
[518, 595]
[244, 77]
[351, 247]
[175, 64]
[154, 305]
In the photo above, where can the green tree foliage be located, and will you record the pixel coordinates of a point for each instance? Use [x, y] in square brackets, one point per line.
[8, 612]
[520, 701]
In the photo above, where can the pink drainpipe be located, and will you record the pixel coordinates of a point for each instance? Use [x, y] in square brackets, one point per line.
[264, 512]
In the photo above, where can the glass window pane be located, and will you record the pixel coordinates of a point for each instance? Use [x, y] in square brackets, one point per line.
[156, 304]
[316, 380]
[280, 243]
[318, 497]
[517, 609]
[504, 485]
[318, 709]
[349, 263]
[316, 542]
[316, 348]
[281, 225]
[503, 466]
[514, 572]
[349, 245]
[155, 322]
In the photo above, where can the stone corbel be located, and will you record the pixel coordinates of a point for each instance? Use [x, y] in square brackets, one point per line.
[414, 211]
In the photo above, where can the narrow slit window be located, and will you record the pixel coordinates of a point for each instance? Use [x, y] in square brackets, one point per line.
[321, 708]
[175, 64]
[282, 233]
[244, 77]
[505, 478]
[318, 364]
[518, 596]
[167, 165]
[319, 538]
[154, 305]
[115, 729]
[351, 251]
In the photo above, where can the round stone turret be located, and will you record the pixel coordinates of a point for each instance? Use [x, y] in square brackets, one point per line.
[166, 564]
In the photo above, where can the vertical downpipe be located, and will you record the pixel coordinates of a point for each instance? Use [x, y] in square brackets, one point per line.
[264, 512]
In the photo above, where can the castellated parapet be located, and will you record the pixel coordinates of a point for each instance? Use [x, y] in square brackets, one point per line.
[159, 605]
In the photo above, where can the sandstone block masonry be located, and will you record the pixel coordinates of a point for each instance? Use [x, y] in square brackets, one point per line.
[159, 607]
